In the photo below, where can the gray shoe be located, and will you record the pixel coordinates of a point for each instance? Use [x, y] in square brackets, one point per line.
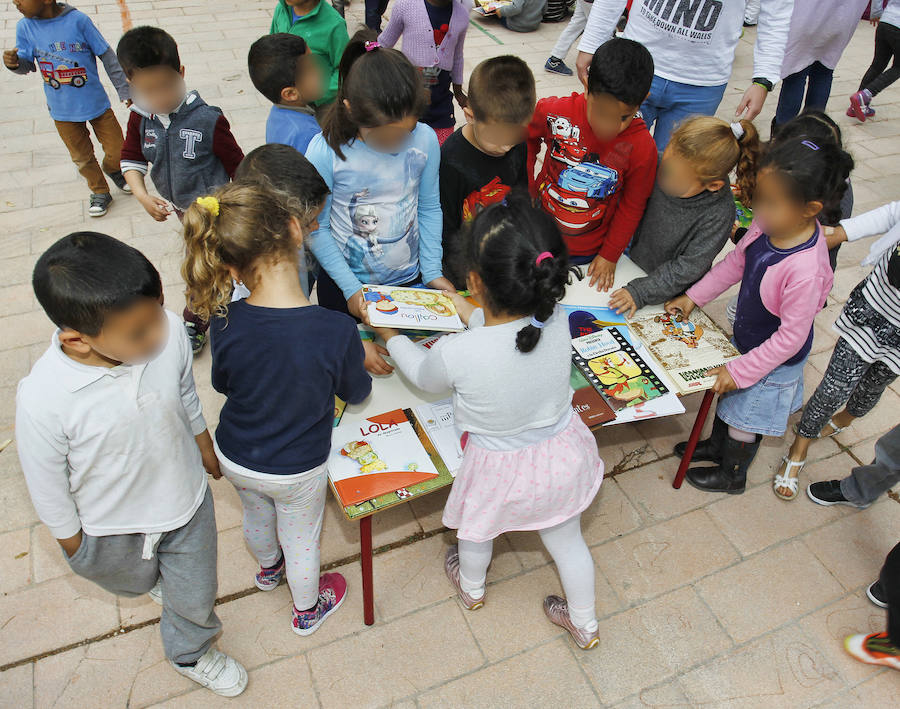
[557, 610]
[100, 202]
[451, 567]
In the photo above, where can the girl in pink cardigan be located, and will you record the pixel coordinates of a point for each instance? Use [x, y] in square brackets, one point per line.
[433, 33]
[783, 268]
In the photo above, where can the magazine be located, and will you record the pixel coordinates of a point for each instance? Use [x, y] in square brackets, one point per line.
[437, 420]
[685, 347]
[489, 7]
[587, 402]
[411, 309]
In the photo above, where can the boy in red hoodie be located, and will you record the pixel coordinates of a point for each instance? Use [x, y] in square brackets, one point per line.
[600, 164]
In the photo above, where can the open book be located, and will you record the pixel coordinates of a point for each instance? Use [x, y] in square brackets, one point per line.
[411, 309]
[489, 7]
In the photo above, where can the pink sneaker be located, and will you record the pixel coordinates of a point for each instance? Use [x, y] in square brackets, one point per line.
[868, 110]
[268, 579]
[858, 104]
[557, 610]
[332, 591]
[451, 568]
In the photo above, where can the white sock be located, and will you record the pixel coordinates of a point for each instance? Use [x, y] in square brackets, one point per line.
[583, 618]
[474, 589]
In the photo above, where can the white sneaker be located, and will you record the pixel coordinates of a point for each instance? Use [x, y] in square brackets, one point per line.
[155, 593]
[217, 672]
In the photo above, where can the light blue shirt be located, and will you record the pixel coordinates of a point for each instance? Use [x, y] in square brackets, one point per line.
[291, 126]
[382, 221]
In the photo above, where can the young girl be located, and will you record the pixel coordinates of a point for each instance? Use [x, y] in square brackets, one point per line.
[782, 266]
[689, 215]
[382, 222]
[865, 360]
[280, 362]
[887, 49]
[433, 33]
[530, 464]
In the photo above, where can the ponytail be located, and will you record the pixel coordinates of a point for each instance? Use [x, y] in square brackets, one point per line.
[749, 151]
[549, 278]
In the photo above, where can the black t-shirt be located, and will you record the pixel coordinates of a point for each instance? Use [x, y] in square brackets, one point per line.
[440, 110]
[470, 179]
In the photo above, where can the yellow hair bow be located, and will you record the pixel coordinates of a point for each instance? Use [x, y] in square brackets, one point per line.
[210, 204]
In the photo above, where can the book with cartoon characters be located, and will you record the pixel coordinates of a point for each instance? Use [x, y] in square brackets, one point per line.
[686, 347]
[437, 420]
[411, 309]
[489, 7]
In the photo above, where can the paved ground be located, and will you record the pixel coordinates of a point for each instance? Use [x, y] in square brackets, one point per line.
[704, 600]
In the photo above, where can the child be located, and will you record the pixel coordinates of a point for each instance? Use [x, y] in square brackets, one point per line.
[382, 222]
[433, 33]
[57, 36]
[690, 213]
[782, 266]
[866, 358]
[324, 30]
[189, 143]
[521, 15]
[274, 432]
[887, 48]
[530, 464]
[600, 164]
[485, 159]
[882, 648]
[113, 446]
[283, 70]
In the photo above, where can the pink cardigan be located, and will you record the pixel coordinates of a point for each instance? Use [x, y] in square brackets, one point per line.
[793, 290]
[409, 19]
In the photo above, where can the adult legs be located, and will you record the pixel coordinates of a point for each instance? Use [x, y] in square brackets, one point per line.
[867, 482]
[683, 101]
[790, 99]
[655, 102]
[77, 140]
[374, 12]
[819, 89]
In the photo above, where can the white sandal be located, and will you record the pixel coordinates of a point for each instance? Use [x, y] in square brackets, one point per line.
[835, 429]
[792, 483]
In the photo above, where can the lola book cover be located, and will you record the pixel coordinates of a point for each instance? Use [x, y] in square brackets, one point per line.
[376, 456]
[411, 309]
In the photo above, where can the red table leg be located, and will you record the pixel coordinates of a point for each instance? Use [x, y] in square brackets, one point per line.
[693, 438]
[365, 561]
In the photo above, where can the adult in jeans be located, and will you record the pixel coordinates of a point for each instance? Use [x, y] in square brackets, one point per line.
[887, 49]
[693, 45]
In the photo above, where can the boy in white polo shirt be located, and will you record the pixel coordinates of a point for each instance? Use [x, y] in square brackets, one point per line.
[113, 445]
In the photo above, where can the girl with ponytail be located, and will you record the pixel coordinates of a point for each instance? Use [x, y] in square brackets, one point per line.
[530, 463]
[280, 362]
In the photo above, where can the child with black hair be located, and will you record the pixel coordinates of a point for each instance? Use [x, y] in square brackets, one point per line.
[113, 446]
[530, 463]
[284, 71]
[382, 222]
[782, 266]
[600, 164]
[274, 431]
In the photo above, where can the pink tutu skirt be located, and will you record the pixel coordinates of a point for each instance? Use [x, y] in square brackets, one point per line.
[524, 489]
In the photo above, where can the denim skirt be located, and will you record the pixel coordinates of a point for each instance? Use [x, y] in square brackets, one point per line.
[764, 407]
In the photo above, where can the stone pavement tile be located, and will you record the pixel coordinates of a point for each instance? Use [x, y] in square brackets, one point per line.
[649, 489]
[758, 519]
[864, 451]
[53, 614]
[392, 661]
[610, 515]
[876, 423]
[47, 559]
[655, 560]
[14, 364]
[543, 677]
[340, 537]
[15, 560]
[237, 566]
[883, 690]
[623, 448]
[229, 511]
[15, 502]
[17, 686]
[773, 580]
[652, 643]
[30, 328]
[429, 509]
[669, 695]
[854, 547]
[16, 299]
[784, 669]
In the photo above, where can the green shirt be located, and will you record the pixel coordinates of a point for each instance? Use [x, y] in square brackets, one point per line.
[324, 30]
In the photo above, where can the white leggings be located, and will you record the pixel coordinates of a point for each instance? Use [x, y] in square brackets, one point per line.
[570, 553]
[288, 515]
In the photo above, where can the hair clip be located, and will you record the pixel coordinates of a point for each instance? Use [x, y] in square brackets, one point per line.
[541, 256]
[809, 144]
[738, 131]
[539, 324]
[210, 204]
[372, 44]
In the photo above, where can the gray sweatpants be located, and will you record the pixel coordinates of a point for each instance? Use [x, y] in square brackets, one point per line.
[866, 482]
[185, 560]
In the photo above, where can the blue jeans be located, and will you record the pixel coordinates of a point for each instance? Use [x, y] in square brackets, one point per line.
[794, 87]
[669, 103]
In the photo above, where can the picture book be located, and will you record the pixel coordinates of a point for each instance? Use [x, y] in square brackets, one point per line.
[411, 309]
[585, 319]
[587, 402]
[489, 7]
[437, 420]
[685, 347]
[339, 406]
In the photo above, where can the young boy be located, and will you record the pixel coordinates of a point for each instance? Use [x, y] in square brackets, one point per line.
[324, 30]
[600, 163]
[65, 45]
[113, 445]
[485, 159]
[284, 71]
[188, 142]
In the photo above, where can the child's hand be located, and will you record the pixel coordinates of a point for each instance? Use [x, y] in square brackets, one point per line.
[441, 283]
[463, 307]
[460, 95]
[70, 544]
[11, 58]
[156, 207]
[621, 300]
[602, 272]
[835, 236]
[386, 333]
[356, 304]
[724, 381]
[374, 362]
[682, 305]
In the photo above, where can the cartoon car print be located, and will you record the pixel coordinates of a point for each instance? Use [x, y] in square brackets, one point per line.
[57, 76]
[576, 200]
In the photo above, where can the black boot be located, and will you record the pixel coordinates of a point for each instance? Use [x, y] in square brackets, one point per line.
[731, 474]
[709, 449]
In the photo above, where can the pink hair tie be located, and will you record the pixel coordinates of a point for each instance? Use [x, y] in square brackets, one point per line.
[541, 256]
[374, 44]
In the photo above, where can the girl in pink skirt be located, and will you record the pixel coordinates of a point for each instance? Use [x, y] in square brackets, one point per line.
[530, 464]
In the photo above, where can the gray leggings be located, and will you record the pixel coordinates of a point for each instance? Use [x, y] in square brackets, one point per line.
[849, 378]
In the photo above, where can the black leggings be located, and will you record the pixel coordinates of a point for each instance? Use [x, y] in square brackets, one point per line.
[890, 584]
[887, 47]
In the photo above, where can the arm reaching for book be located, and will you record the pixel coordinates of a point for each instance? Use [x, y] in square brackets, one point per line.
[424, 368]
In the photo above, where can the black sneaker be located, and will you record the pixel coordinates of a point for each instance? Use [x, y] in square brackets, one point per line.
[875, 593]
[119, 181]
[557, 66]
[100, 202]
[197, 338]
[828, 493]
